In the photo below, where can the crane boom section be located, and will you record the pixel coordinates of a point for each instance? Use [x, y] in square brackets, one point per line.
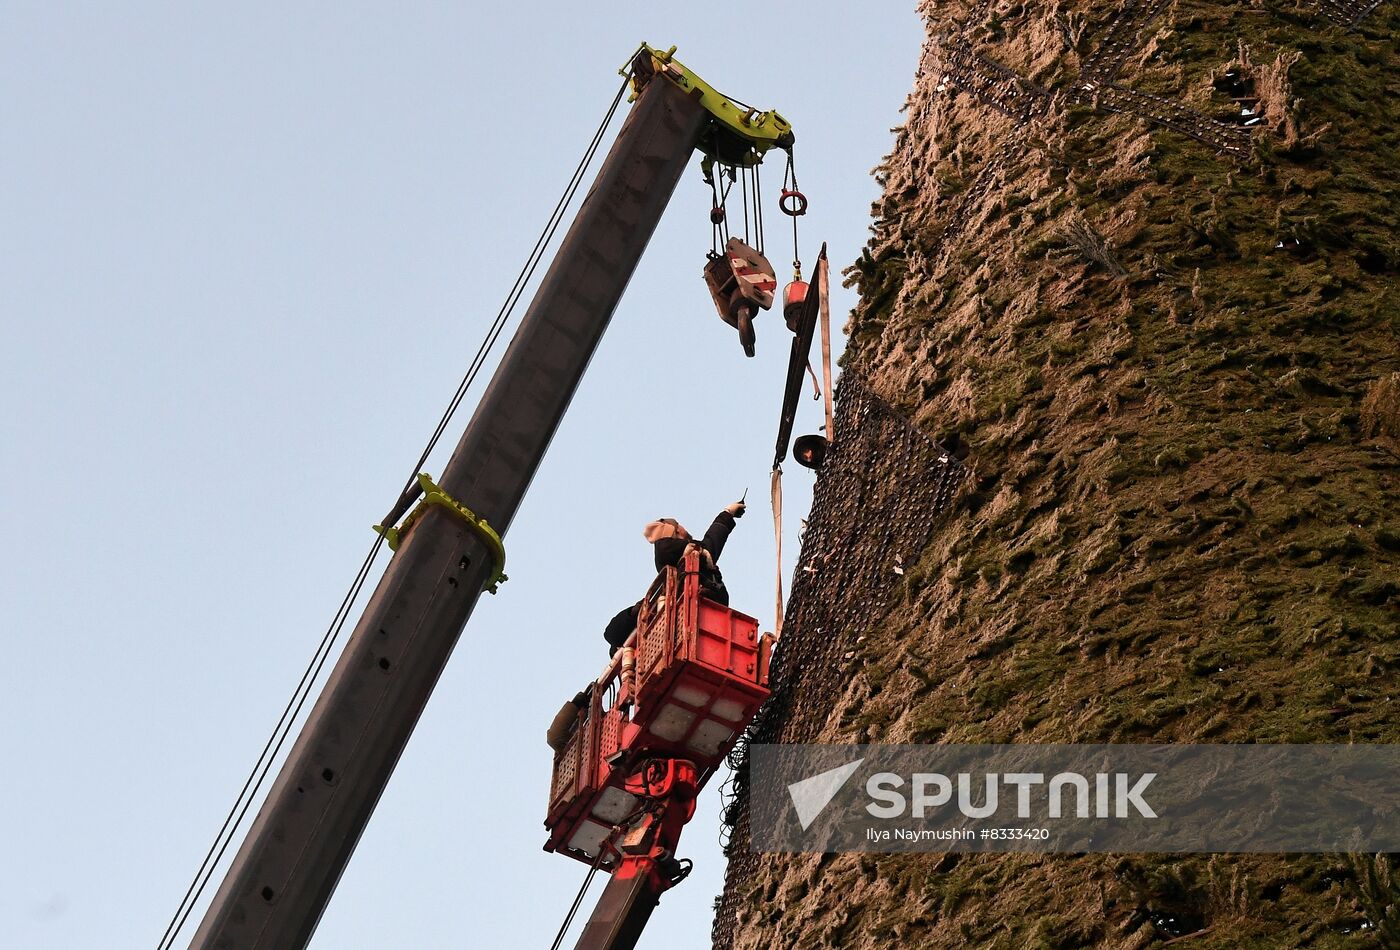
[287, 867]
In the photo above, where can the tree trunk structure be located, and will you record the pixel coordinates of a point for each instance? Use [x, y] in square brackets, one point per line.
[1120, 417]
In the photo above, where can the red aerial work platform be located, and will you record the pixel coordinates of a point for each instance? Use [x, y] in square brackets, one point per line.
[658, 723]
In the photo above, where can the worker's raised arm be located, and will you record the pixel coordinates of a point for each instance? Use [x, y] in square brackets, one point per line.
[720, 528]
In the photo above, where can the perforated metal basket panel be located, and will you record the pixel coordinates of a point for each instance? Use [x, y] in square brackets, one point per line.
[652, 644]
[566, 767]
[612, 734]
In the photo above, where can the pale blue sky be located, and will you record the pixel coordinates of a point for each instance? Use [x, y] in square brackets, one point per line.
[245, 253]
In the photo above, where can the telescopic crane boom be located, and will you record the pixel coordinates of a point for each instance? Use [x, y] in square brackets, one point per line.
[288, 865]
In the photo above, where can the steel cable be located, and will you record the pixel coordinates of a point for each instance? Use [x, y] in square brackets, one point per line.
[578, 900]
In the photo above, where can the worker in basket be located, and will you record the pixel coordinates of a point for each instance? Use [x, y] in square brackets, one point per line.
[566, 719]
[669, 544]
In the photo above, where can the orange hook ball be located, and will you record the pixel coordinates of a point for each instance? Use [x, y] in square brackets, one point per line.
[794, 296]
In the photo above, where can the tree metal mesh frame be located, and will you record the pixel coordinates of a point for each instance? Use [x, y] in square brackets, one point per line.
[874, 511]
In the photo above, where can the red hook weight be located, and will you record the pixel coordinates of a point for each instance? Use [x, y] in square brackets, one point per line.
[793, 203]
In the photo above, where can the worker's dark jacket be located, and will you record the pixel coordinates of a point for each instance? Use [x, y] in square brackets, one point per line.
[620, 627]
[670, 551]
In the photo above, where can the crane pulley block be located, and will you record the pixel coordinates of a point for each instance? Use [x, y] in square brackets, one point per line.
[738, 135]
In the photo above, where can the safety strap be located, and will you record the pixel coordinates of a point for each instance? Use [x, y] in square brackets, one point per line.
[706, 558]
[776, 486]
[775, 493]
[434, 495]
[826, 348]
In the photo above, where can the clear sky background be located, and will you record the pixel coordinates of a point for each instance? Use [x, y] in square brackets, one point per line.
[246, 251]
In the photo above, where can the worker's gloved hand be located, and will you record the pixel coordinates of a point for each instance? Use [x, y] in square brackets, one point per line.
[737, 509]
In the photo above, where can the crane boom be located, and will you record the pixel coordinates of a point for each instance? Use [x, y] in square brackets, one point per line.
[286, 869]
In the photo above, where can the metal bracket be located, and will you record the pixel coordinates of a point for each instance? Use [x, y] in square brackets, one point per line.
[756, 132]
[434, 495]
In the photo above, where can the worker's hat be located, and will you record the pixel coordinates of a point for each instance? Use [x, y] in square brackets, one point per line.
[664, 528]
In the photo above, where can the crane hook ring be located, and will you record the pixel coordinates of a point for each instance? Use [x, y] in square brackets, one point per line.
[793, 203]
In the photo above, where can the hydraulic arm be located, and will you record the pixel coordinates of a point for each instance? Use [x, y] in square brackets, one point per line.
[647, 867]
[658, 724]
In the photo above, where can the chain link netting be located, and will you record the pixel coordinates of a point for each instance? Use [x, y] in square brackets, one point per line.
[884, 481]
[874, 511]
